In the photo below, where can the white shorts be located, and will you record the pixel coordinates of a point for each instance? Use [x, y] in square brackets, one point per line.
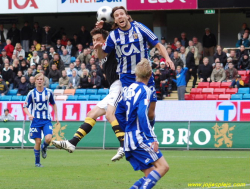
[115, 93]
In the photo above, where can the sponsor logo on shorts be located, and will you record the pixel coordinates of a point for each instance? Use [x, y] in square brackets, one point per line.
[50, 127]
[33, 130]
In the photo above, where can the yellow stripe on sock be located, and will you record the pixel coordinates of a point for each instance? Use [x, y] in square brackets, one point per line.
[114, 123]
[121, 134]
[80, 130]
[79, 136]
[90, 121]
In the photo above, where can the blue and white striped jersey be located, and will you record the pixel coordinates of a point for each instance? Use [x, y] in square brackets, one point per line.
[130, 46]
[132, 115]
[39, 102]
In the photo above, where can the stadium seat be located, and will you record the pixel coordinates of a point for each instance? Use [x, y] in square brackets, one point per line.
[6, 98]
[80, 92]
[196, 91]
[244, 91]
[69, 92]
[219, 91]
[245, 79]
[200, 97]
[189, 96]
[12, 92]
[103, 96]
[61, 97]
[224, 97]
[207, 91]
[94, 97]
[72, 98]
[231, 91]
[17, 98]
[53, 86]
[72, 59]
[214, 85]
[248, 72]
[103, 91]
[58, 91]
[203, 85]
[246, 97]
[83, 97]
[225, 84]
[212, 97]
[236, 96]
[24, 98]
[242, 72]
[91, 91]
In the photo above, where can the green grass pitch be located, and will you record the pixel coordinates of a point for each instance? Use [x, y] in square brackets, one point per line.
[92, 169]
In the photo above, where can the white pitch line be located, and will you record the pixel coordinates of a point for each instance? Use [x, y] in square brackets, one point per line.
[222, 187]
[209, 157]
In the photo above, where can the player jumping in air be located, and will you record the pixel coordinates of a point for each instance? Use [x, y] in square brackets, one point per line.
[106, 106]
[140, 145]
[129, 40]
[39, 99]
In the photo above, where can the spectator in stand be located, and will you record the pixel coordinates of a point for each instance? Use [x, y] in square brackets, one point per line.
[3, 87]
[218, 74]
[14, 35]
[240, 34]
[37, 33]
[51, 53]
[70, 48]
[9, 48]
[64, 40]
[163, 42]
[181, 82]
[244, 41]
[154, 52]
[42, 51]
[157, 79]
[92, 62]
[183, 40]
[77, 65]
[75, 41]
[46, 80]
[59, 63]
[46, 36]
[18, 50]
[221, 55]
[209, 43]
[170, 53]
[58, 46]
[31, 84]
[84, 37]
[7, 74]
[190, 64]
[46, 67]
[241, 52]
[45, 57]
[237, 83]
[24, 67]
[79, 51]
[26, 34]
[155, 63]
[3, 37]
[74, 81]
[35, 58]
[36, 45]
[84, 79]
[234, 58]
[83, 67]
[12, 58]
[30, 53]
[65, 57]
[7, 117]
[228, 61]
[17, 79]
[183, 55]
[16, 66]
[244, 63]
[95, 82]
[178, 47]
[29, 73]
[164, 79]
[231, 72]
[23, 87]
[98, 72]
[196, 59]
[177, 60]
[54, 74]
[3, 57]
[71, 69]
[84, 57]
[205, 70]
[198, 45]
[33, 67]
[38, 69]
[62, 49]
[173, 45]
[63, 81]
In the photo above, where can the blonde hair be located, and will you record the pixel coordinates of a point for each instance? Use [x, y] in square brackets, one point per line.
[18, 45]
[86, 71]
[39, 75]
[143, 70]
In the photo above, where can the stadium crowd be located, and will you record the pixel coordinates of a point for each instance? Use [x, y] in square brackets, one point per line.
[72, 63]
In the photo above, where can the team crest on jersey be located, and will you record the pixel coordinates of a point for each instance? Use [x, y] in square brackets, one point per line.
[135, 35]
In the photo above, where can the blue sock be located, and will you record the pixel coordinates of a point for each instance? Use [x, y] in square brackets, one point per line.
[37, 156]
[45, 145]
[138, 183]
[151, 180]
[152, 122]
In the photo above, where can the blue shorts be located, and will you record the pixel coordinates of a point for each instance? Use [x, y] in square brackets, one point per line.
[39, 125]
[128, 79]
[142, 158]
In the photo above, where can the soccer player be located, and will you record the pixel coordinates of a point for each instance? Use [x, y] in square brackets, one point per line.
[106, 106]
[140, 145]
[38, 99]
[129, 40]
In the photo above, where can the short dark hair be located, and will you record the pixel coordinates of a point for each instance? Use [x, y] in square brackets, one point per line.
[103, 32]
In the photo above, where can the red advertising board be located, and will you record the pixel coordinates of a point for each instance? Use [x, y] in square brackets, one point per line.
[161, 4]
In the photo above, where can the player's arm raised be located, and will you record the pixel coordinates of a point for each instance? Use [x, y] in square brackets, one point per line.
[100, 53]
[164, 53]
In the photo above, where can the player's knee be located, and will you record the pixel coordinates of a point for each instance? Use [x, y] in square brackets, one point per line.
[90, 114]
[165, 167]
[110, 117]
[48, 139]
[38, 141]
